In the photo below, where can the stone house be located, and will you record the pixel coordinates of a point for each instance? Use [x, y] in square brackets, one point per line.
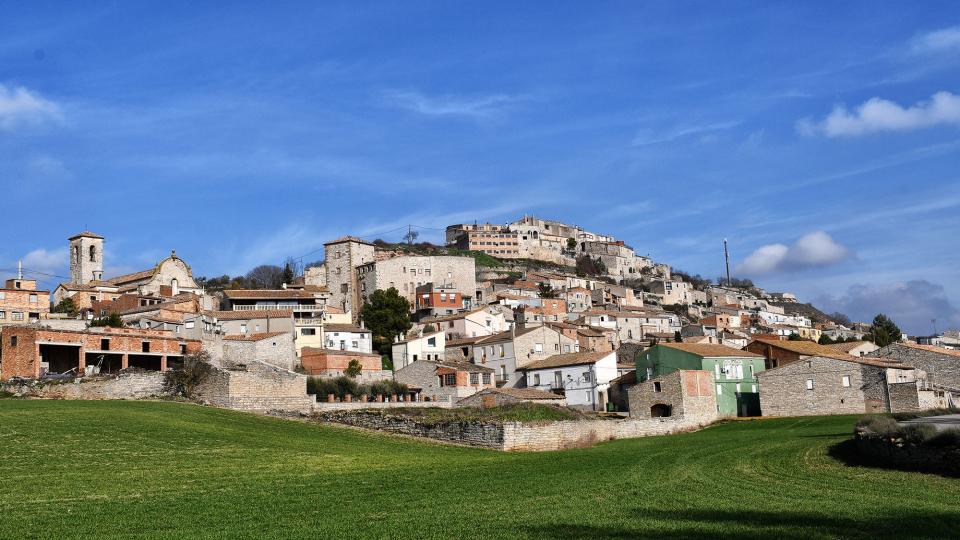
[582, 377]
[673, 291]
[854, 348]
[682, 393]
[737, 389]
[420, 346]
[333, 363]
[507, 352]
[841, 384]
[780, 352]
[483, 321]
[593, 338]
[32, 350]
[579, 299]
[253, 321]
[439, 380]
[275, 348]
[407, 272]
[619, 391]
[616, 295]
[497, 397]
[938, 369]
[22, 302]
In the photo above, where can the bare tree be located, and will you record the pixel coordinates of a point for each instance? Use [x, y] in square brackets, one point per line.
[265, 276]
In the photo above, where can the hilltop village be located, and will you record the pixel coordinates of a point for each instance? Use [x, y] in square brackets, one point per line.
[530, 311]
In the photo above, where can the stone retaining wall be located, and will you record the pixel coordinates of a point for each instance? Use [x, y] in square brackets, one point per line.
[516, 436]
[258, 387]
[125, 385]
[894, 452]
[323, 406]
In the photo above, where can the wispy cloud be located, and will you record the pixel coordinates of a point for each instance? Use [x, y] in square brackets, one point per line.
[20, 107]
[877, 115]
[487, 106]
[816, 249]
[937, 41]
[647, 137]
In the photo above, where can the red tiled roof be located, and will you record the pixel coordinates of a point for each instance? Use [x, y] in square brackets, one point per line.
[710, 350]
[568, 359]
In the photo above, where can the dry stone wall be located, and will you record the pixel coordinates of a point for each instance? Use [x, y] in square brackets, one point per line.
[133, 384]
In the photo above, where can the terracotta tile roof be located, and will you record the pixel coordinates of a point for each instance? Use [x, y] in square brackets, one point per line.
[343, 239]
[251, 314]
[463, 341]
[415, 337]
[589, 332]
[507, 336]
[568, 359]
[345, 328]
[805, 348]
[451, 317]
[531, 394]
[629, 377]
[252, 337]
[267, 293]
[710, 350]
[846, 346]
[931, 348]
[463, 365]
[86, 234]
[317, 351]
[135, 276]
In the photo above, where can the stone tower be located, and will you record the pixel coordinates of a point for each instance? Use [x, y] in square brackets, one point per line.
[341, 258]
[86, 258]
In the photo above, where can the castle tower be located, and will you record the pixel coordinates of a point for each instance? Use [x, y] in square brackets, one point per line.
[341, 258]
[86, 258]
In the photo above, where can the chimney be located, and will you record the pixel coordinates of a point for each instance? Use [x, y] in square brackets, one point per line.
[362, 327]
[283, 286]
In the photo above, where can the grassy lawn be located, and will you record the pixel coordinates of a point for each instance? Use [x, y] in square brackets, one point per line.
[172, 470]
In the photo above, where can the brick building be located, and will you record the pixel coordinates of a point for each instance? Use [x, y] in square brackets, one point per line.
[333, 363]
[21, 302]
[30, 350]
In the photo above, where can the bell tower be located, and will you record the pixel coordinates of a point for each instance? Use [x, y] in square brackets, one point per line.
[86, 258]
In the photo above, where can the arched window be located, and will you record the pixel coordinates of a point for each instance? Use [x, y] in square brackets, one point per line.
[93, 253]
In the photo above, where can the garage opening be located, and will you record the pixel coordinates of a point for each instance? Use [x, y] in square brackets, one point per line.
[143, 361]
[661, 410]
[109, 363]
[60, 358]
[174, 362]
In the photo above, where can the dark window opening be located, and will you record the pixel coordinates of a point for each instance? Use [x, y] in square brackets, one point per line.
[661, 410]
[145, 346]
[104, 344]
[656, 387]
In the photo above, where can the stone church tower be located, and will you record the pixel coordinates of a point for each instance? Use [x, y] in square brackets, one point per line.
[86, 258]
[341, 258]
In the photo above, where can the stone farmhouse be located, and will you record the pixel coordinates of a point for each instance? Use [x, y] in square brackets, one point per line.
[840, 384]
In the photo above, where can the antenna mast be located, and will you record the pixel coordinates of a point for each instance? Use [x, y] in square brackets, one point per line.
[726, 256]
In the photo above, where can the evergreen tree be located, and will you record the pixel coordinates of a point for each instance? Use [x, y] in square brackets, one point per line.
[386, 314]
[883, 331]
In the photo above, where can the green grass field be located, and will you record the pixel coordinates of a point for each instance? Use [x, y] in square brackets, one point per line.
[146, 469]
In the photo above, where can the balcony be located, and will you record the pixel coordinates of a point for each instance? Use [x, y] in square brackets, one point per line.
[271, 307]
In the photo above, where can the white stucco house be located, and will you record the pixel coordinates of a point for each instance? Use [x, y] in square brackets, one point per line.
[583, 378]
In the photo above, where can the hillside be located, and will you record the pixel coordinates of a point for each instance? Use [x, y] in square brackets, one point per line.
[807, 310]
[109, 469]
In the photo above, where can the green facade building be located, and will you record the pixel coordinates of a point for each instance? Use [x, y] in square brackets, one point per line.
[734, 370]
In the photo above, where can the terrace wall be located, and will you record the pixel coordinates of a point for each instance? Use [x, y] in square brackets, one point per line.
[134, 384]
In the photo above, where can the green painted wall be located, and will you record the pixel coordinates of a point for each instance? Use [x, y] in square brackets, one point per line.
[658, 361]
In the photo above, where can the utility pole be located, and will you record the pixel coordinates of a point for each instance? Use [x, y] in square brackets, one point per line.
[726, 256]
[934, 321]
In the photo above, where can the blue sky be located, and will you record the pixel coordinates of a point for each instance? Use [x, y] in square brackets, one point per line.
[821, 138]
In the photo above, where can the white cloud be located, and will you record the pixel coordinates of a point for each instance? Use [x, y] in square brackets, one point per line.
[876, 115]
[475, 107]
[816, 249]
[943, 40]
[646, 137]
[20, 107]
[46, 261]
[912, 305]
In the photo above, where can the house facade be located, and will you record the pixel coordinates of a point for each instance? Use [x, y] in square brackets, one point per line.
[582, 378]
[736, 386]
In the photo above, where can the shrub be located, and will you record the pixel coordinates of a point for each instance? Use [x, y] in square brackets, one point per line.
[184, 381]
[917, 433]
[945, 438]
[881, 425]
